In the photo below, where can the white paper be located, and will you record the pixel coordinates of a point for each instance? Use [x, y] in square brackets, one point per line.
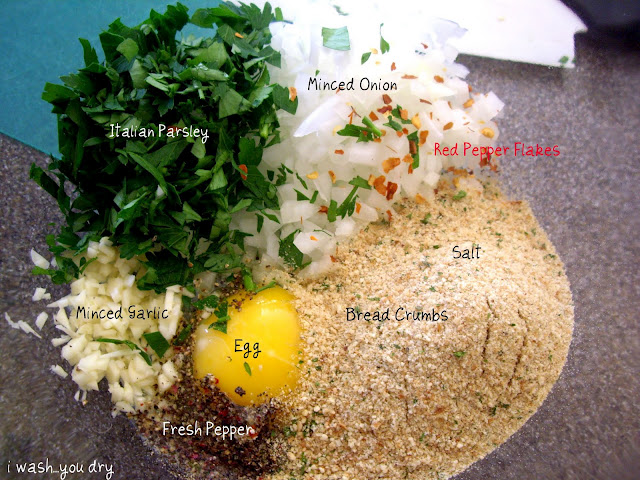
[532, 31]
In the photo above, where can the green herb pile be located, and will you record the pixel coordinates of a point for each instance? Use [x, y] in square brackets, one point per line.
[168, 198]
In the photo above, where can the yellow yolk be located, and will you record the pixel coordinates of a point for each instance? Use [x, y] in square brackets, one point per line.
[258, 356]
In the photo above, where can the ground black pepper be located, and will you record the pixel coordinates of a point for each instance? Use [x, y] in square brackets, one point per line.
[211, 456]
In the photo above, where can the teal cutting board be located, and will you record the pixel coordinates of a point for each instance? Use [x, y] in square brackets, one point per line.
[39, 43]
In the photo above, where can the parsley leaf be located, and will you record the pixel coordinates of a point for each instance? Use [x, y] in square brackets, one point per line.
[384, 46]
[290, 253]
[460, 195]
[360, 183]
[183, 335]
[336, 38]
[363, 134]
[222, 317]
[157, 342]
[211, 301]
[393, 124]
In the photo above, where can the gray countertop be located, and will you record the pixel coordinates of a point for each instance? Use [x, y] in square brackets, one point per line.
[587, 199]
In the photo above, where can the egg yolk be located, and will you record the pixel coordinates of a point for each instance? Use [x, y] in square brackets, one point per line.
[258, 356]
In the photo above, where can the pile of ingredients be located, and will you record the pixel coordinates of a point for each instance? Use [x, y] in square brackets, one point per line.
[237, 200]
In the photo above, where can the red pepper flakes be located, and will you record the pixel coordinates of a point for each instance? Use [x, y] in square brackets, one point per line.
[391, 190]
[238, 35]
[323, 209]
[409, 77]
[410, 169]
[405, 131]
[448, 126]
[293, 93]
[484, 161]
[413, 149]
[339, 152]
[378, 184]
[468, 103]
[373, 116]
[424, 45]
[389, 214]
[386, 109]
[420, 199]
[404, 114]
[358, 207]
[458, 171]
[422, 100]
[393, 66]
[312, 237]
[172, 129]
[423, 136]
[487, 132]
[438, 78]
[390, 163]
[243, 167]
[333, 176]
[407, 159]
[377, 140]
[399, 133]
[386, 99]
[333, 259]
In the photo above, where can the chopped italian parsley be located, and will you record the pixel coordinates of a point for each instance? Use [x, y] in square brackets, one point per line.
[384, 46]
[460, 195]
[336, 38]
[157, 343]
[168, 196]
